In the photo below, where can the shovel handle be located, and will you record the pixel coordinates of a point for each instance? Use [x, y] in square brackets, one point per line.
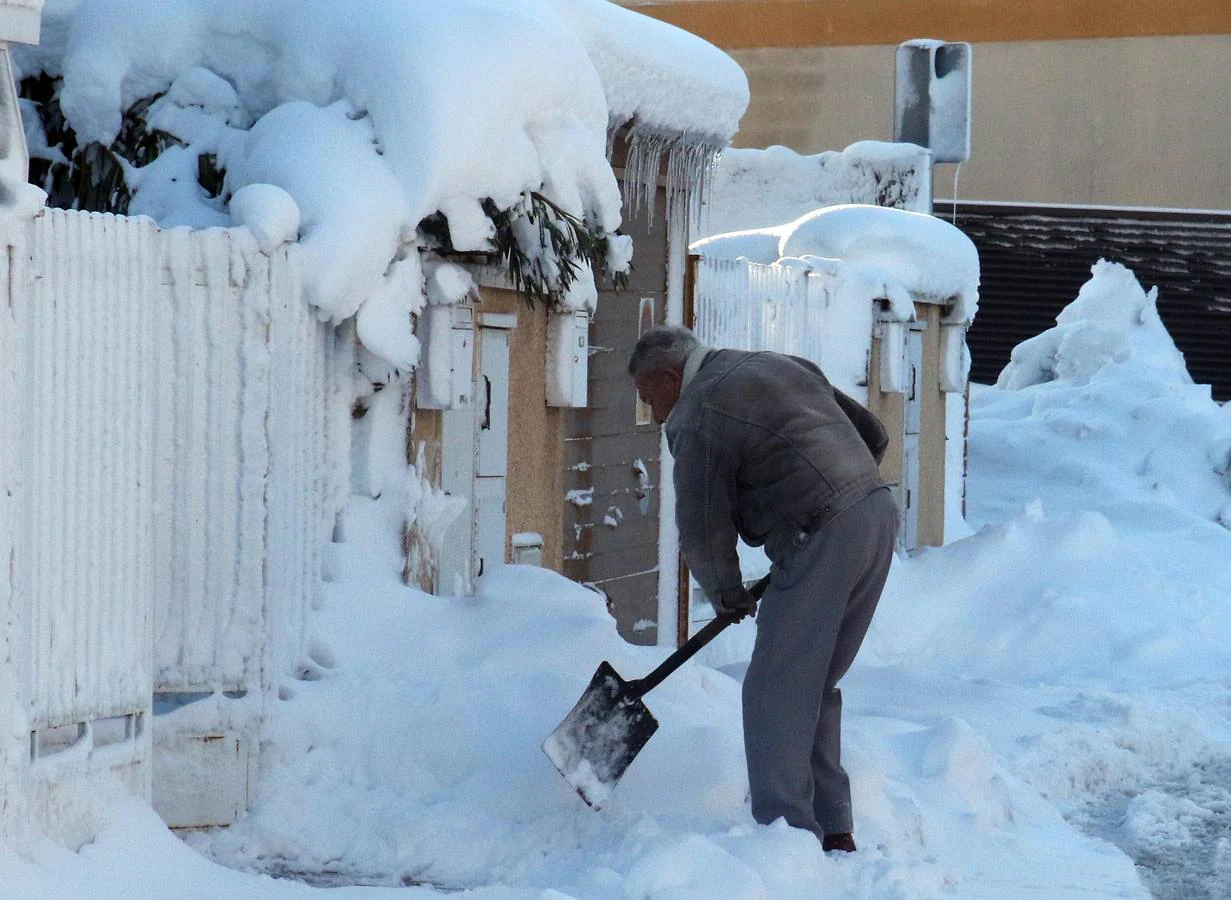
[690, 647]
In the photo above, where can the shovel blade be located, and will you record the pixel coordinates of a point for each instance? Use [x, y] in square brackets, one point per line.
[602, 735]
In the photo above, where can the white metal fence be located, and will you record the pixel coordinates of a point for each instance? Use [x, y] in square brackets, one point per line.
[788, 309]
[168, 471]
[749, 306]
[83, 557]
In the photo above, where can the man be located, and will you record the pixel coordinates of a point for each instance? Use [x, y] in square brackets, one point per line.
[766, 448]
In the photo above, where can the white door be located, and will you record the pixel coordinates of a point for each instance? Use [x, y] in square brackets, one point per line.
[492, 413]
[910, 493]
[914, 379]
[457, 478]
[475, 465]
[910, 445]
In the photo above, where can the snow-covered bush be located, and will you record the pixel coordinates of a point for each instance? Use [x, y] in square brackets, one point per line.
[473, 126]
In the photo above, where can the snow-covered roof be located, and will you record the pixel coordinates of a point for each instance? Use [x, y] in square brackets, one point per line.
[376, 114]
[915, 252]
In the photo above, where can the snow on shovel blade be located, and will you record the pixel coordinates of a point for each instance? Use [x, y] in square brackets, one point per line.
[602, 735]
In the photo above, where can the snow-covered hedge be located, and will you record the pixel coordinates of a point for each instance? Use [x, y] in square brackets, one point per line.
[376, 117]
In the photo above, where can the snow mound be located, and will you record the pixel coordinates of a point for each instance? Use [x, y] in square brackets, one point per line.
[269, 212]
[1100, 412]
[1112, 321]
[1046, 599]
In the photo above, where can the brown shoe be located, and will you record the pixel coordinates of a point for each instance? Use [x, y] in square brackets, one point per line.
[843, 842]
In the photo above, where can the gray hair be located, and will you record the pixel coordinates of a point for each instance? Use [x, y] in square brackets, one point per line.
[662, 347]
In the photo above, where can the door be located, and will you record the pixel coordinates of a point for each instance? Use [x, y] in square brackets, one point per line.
[913, 400]
[491, 473]
[474, 443]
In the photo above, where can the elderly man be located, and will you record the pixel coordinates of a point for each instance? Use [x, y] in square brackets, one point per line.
[766, 448]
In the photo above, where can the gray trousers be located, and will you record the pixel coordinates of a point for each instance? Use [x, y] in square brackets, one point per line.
[810, 624]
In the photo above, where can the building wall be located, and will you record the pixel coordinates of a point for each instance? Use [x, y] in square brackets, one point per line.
[890, 408]
[1117, 121]
[1117, 102]
[611, 535]
[536, 431]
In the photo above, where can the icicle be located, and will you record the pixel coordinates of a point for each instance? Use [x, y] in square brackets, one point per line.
[690, 165]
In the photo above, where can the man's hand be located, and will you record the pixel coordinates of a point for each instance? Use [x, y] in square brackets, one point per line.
[737, 605]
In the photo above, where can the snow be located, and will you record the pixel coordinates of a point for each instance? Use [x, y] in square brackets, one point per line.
[894, 249]
[1035, 703]
[269, 212]
[356, 112]
[762, 188]
[656, 75]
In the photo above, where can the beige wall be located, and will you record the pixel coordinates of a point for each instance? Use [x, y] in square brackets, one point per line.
[890, 409]
[1117, 121]
[535, 485]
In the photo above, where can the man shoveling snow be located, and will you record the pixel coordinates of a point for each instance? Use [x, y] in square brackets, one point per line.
[767, 449]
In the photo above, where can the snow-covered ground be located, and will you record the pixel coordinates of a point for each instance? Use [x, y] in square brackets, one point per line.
[1038, 707]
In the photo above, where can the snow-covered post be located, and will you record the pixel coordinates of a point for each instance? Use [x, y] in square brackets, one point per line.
[668, 535]
[19, 21]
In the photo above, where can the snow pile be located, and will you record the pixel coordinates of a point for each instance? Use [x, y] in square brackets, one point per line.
[1106, 390]
[377, 115]
[1112, 321]
[762, 188]
[899, 250]
[1064, 598]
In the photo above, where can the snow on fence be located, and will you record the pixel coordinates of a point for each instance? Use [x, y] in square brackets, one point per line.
[242, 449]
[83, 560]
[788, 309]
[749, 306]
[170, 474]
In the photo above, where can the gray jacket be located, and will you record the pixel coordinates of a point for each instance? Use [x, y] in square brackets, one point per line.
[765, 447]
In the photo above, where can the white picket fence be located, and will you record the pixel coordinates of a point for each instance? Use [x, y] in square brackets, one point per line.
[170, 477]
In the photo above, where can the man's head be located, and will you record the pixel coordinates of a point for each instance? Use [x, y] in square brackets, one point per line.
[657, 367]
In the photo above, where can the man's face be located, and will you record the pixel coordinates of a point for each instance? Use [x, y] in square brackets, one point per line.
[659, 390]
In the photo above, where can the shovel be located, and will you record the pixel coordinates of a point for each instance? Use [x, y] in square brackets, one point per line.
[609, 725]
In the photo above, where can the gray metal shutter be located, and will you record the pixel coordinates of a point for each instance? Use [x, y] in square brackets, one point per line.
[1034, 260]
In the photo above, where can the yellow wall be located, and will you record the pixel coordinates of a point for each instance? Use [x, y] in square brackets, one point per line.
[1131, 121]
[810, 23]
[1104, 102]
[534, 486]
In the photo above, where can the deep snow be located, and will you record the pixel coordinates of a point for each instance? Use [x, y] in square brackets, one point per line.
[1029, 697]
